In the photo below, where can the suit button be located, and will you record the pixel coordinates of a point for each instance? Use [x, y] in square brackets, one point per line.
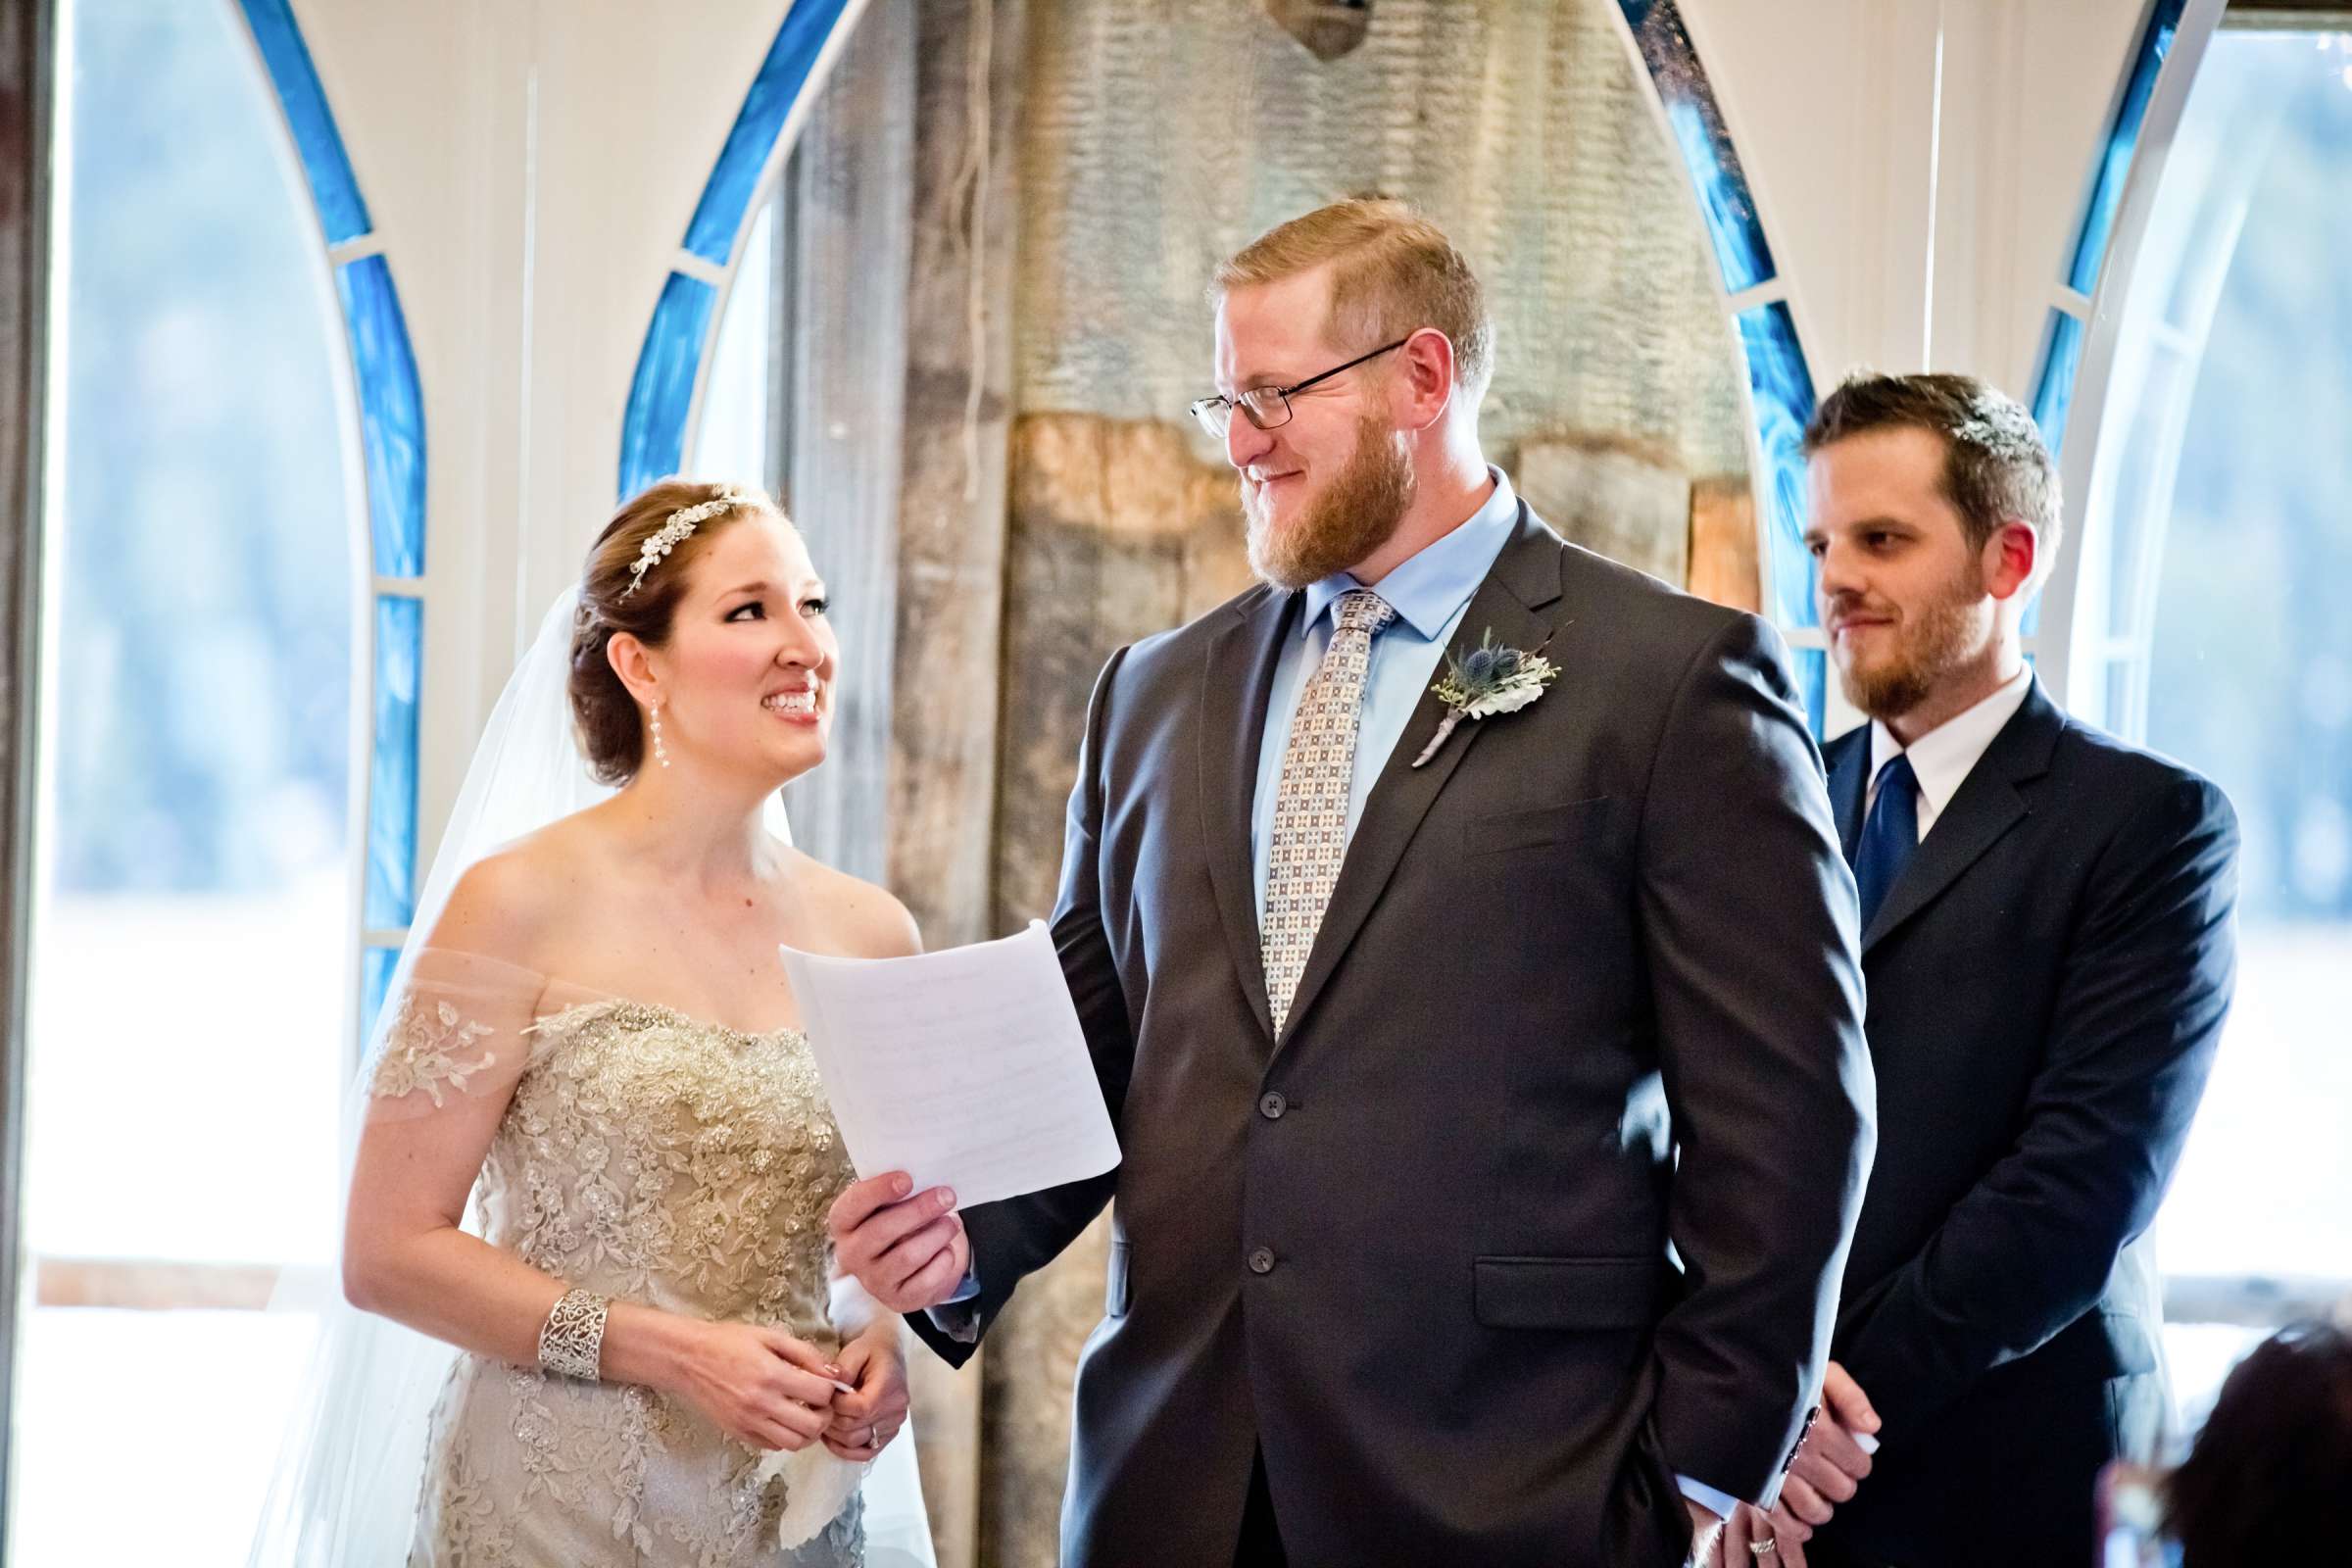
[1272, 1105]
[1261, 1261]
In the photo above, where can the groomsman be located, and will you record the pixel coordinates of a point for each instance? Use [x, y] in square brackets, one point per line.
[2047, 943]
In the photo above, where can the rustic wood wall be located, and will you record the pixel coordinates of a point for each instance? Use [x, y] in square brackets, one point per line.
[942, 783]
[1118, 530]
[843, 239]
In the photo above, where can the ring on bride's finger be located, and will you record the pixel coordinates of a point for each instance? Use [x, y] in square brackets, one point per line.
[869, 1437]
[1763, 1548]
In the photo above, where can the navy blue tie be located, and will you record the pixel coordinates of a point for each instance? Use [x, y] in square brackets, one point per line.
[1888, 835]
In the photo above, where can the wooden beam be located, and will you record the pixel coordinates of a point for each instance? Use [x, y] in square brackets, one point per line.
[942, 780]
[845, 244]
[1119, 531]
[1724, 563]
[952, 524]
[27, 51]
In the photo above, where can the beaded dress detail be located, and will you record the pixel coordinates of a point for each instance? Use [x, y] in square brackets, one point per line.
[648, 1157]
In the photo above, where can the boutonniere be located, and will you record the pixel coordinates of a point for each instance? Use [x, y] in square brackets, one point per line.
[1486, 680]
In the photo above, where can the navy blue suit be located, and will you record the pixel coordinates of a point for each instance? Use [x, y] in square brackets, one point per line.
[2047, 979]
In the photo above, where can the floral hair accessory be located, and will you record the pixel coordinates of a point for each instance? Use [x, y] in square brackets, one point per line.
[674, 531]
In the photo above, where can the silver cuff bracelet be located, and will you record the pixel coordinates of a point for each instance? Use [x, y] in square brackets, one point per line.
[571, 1342]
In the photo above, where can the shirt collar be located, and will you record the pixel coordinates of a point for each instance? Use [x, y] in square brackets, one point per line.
[1943, 757]
[1431, 587]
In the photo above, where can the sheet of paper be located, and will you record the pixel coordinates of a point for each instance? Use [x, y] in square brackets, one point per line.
[965, 1069]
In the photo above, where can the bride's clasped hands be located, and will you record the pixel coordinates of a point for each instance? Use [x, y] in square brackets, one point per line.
[769, 1390]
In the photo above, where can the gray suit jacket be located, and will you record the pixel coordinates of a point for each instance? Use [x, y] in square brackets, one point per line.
[1587, 986]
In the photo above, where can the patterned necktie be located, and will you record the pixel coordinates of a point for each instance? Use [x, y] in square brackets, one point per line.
[1890, 835]
[1311, 803]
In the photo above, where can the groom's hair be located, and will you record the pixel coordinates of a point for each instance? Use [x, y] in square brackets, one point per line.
[1392, 273]
[1996, 466]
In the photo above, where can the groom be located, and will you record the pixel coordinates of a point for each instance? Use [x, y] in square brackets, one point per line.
[1425, 1044]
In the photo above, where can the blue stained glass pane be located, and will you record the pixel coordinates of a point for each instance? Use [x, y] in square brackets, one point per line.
[2054, 376]
[333, 186]
[2155, 42]
[391, 900]
[391, 413]
[783, 75]
[375, 979]
[1781, 387]
[1813, 686]
[1699, 136]
[653, 431]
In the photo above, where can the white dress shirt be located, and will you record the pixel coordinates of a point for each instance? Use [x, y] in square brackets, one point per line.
[1942, 758]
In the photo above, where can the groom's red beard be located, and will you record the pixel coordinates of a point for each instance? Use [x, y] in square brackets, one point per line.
[1357, 513]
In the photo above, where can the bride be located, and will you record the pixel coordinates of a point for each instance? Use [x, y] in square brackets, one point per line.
[595, 1038]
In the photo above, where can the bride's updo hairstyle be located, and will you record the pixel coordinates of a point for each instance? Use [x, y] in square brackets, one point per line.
[617, 597]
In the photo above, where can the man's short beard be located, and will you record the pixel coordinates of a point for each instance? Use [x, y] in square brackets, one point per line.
[1935, 641]
[1357, 513]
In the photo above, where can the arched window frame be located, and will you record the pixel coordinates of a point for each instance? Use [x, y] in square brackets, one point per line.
[2083, 362]
[2120, 383]
[666, 391]
[384, 422]
[1764, 317]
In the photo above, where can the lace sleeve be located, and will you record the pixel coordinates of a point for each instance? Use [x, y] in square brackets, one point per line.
[460, 1028]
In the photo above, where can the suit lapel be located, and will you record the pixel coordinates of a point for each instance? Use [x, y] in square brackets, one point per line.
[1237, 685]
[1989, 804]
[1525, 579]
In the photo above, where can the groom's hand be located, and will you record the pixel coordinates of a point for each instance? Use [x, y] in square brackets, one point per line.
[1830, 1465]
[908, 1248]
[1751, 1528]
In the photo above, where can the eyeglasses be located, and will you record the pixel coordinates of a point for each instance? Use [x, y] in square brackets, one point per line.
[1267, 406]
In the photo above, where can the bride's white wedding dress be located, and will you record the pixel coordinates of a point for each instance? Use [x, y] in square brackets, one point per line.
[648, 1157]
[642, 1155]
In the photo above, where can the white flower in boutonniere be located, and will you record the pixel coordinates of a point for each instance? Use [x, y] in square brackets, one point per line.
[1486, 680]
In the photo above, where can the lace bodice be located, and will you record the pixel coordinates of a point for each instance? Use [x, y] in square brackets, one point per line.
[650, 1156]
[647, 1156]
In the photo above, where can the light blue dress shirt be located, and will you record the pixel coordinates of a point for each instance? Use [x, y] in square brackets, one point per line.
[1428, 593]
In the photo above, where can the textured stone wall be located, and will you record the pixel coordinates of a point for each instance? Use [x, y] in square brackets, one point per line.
[1161, 136]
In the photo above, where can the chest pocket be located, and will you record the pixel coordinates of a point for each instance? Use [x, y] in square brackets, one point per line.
[1587, 824]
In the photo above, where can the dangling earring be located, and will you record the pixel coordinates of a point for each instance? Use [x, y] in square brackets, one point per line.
[660, 754]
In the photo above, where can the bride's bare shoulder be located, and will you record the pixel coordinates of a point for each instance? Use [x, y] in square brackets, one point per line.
[506, 902]
[866, 920]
